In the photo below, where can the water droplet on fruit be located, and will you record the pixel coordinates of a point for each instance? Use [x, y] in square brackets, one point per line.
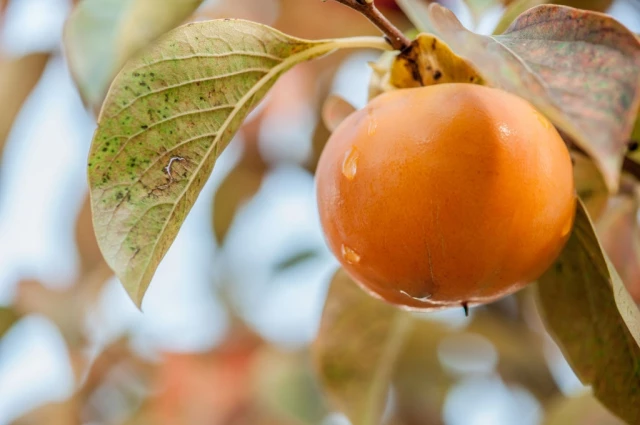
[349, 255]
[350, 164]
[373, 125]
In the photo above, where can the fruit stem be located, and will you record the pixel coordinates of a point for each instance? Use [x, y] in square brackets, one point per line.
[393, 35]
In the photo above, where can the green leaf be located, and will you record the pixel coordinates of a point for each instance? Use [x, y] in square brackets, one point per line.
[167, 117]
[594, 320]
[356, 350]
[579, 68]
[101, 35]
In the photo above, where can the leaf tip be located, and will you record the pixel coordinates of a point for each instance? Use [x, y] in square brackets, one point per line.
[610, 167]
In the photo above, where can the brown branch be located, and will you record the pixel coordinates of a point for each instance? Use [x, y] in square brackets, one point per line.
[394, 36]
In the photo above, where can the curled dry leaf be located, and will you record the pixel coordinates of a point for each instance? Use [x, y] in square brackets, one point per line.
[166, 119]
[101, 35]
[334, 110]
[356, 350]
[18, 77]
[579, 68]
[593, 319]
[429, 62]
[381, 75]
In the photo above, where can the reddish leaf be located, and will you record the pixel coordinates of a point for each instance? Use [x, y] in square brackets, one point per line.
[579, 68]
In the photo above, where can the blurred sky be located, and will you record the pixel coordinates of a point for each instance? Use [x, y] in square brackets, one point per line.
[43, 184]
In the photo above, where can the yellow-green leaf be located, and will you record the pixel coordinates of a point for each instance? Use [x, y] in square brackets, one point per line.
[101, 35]
[166, 119]
[594, 320]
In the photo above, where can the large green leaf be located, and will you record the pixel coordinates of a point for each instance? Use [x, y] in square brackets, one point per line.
[166, 119]
[100, 35]
[594, 320]
[579, 68]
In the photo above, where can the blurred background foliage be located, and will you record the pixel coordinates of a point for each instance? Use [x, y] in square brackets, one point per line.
[229, 318]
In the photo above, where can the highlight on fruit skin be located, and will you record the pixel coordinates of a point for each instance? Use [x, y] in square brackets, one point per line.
[445, 195]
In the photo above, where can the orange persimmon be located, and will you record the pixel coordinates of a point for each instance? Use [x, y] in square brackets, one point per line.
[445, 195]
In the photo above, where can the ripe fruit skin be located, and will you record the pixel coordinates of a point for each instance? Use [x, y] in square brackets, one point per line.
[443, 195]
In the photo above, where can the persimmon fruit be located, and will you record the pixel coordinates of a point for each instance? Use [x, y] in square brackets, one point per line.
[452, 194]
